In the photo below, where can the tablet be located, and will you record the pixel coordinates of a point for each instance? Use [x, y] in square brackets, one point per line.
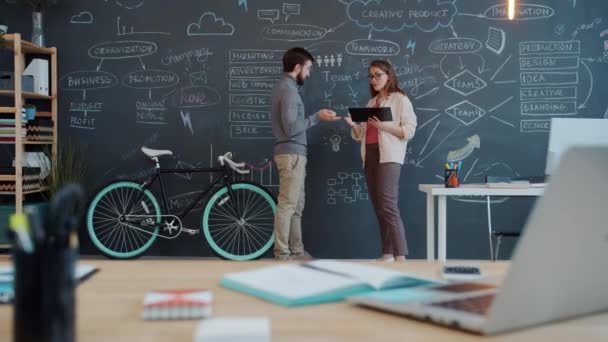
[361, 114]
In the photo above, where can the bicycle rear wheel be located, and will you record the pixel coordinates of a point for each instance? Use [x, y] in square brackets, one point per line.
[240, 237]
[117, 233]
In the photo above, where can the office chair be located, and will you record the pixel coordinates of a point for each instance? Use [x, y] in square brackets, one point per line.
[496, 235]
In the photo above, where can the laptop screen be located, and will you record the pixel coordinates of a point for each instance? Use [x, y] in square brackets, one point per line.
[566, 133]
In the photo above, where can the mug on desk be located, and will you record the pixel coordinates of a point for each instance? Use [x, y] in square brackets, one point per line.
[451, 174]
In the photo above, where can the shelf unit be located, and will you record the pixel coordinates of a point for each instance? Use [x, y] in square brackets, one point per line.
[21, 49]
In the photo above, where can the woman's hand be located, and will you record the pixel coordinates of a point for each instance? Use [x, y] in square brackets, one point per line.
[374, 121]
[349, 121]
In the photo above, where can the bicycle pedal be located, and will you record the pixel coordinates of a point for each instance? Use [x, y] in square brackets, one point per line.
[189, 231]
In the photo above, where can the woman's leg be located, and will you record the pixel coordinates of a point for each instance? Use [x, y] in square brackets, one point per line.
[387, 182]
[372, 161]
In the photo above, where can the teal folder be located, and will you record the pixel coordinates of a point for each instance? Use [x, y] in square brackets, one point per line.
[316, 282]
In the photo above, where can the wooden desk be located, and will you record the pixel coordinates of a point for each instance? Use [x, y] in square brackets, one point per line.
[110, 306]
[442, 193]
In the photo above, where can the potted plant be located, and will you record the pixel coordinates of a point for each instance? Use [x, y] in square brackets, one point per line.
[68, 168]
[38, 7]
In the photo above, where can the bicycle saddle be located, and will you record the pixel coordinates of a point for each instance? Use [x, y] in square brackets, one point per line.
[155, 153]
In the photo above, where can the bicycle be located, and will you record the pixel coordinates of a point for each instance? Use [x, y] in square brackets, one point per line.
[124, 218]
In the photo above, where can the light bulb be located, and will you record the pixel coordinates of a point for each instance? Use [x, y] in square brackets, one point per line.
[335, 142]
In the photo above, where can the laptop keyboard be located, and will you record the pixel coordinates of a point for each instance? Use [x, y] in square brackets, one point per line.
[478, 305]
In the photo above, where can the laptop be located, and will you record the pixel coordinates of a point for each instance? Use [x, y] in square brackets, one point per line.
[558, 269]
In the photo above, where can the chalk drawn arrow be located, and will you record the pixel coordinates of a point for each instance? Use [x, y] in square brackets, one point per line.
[461, 153]
[584, 104]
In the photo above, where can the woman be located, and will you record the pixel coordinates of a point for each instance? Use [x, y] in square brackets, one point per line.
[383, 146]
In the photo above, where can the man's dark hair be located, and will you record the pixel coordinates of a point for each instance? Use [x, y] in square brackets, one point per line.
[295, 56]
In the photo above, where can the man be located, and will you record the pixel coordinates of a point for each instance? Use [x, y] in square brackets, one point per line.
[289, 127]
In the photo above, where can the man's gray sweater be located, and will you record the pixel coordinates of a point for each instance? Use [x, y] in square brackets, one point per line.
[289, 124]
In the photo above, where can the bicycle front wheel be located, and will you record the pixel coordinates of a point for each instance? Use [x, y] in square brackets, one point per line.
[240, 227]
[117, 233]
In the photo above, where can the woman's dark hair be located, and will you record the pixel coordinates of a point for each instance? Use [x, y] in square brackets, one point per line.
[393, 84]
[295, 56]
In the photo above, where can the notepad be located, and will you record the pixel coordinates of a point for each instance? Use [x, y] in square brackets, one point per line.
[317, 281]
[177, 304]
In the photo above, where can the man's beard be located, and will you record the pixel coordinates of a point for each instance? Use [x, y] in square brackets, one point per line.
[299, 79]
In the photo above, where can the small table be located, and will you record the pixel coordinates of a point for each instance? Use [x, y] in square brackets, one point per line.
[442, 192]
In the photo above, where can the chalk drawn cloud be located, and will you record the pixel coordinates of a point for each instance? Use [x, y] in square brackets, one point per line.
[85, 17]
[210, 25]
[396, 15]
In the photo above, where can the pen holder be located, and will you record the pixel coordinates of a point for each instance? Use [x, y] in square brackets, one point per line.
[44, 305]
[451, 178]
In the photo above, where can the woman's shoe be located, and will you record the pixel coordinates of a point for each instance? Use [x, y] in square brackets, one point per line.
[386, 258]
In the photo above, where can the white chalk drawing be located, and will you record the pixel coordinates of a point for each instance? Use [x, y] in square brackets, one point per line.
[496, 40]
[271, 15]
[465, 83]
[372, 47]
[186, 120]
[523, 12]
[255, 56]
[182, 201]
[250, 131]
[150, 79]
[422, 159]
[85, 17]
[121, 30]
[328, 93]
[209, 24]
[535, 126]
[502, 121]
[87, 79]
[391, 15]
[447, 46]
[473, 142]
[585, 27]
[122, 50]
[334, 139]
[82, 122]
[189, 57]
[500, 68]
[130, 4]
[347, 188]
[180, 165]
[294, 32]
[559, 29]
[329, 61]
[465, 112]
[290, 9]
[543, 89]
[500, 104]
[433, 91]
[428, 140]
[150, 111]
[584, 104]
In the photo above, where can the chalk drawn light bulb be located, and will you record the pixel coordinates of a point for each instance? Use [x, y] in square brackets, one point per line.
[335, 142]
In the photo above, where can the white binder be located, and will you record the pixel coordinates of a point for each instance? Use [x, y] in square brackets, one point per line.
[39, 69]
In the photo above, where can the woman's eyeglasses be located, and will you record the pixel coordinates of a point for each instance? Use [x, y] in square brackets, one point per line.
[376, 76]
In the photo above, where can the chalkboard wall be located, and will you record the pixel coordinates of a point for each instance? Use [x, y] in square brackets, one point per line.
[195, 76]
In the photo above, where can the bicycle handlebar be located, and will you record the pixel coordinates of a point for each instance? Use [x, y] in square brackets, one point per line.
[235, 166]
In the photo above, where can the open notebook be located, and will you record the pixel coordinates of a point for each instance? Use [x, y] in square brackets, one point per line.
[317, 281]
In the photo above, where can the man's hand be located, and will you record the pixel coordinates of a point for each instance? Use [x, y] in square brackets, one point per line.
[328, 115]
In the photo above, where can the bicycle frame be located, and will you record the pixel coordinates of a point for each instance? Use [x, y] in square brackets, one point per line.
[225, 175]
